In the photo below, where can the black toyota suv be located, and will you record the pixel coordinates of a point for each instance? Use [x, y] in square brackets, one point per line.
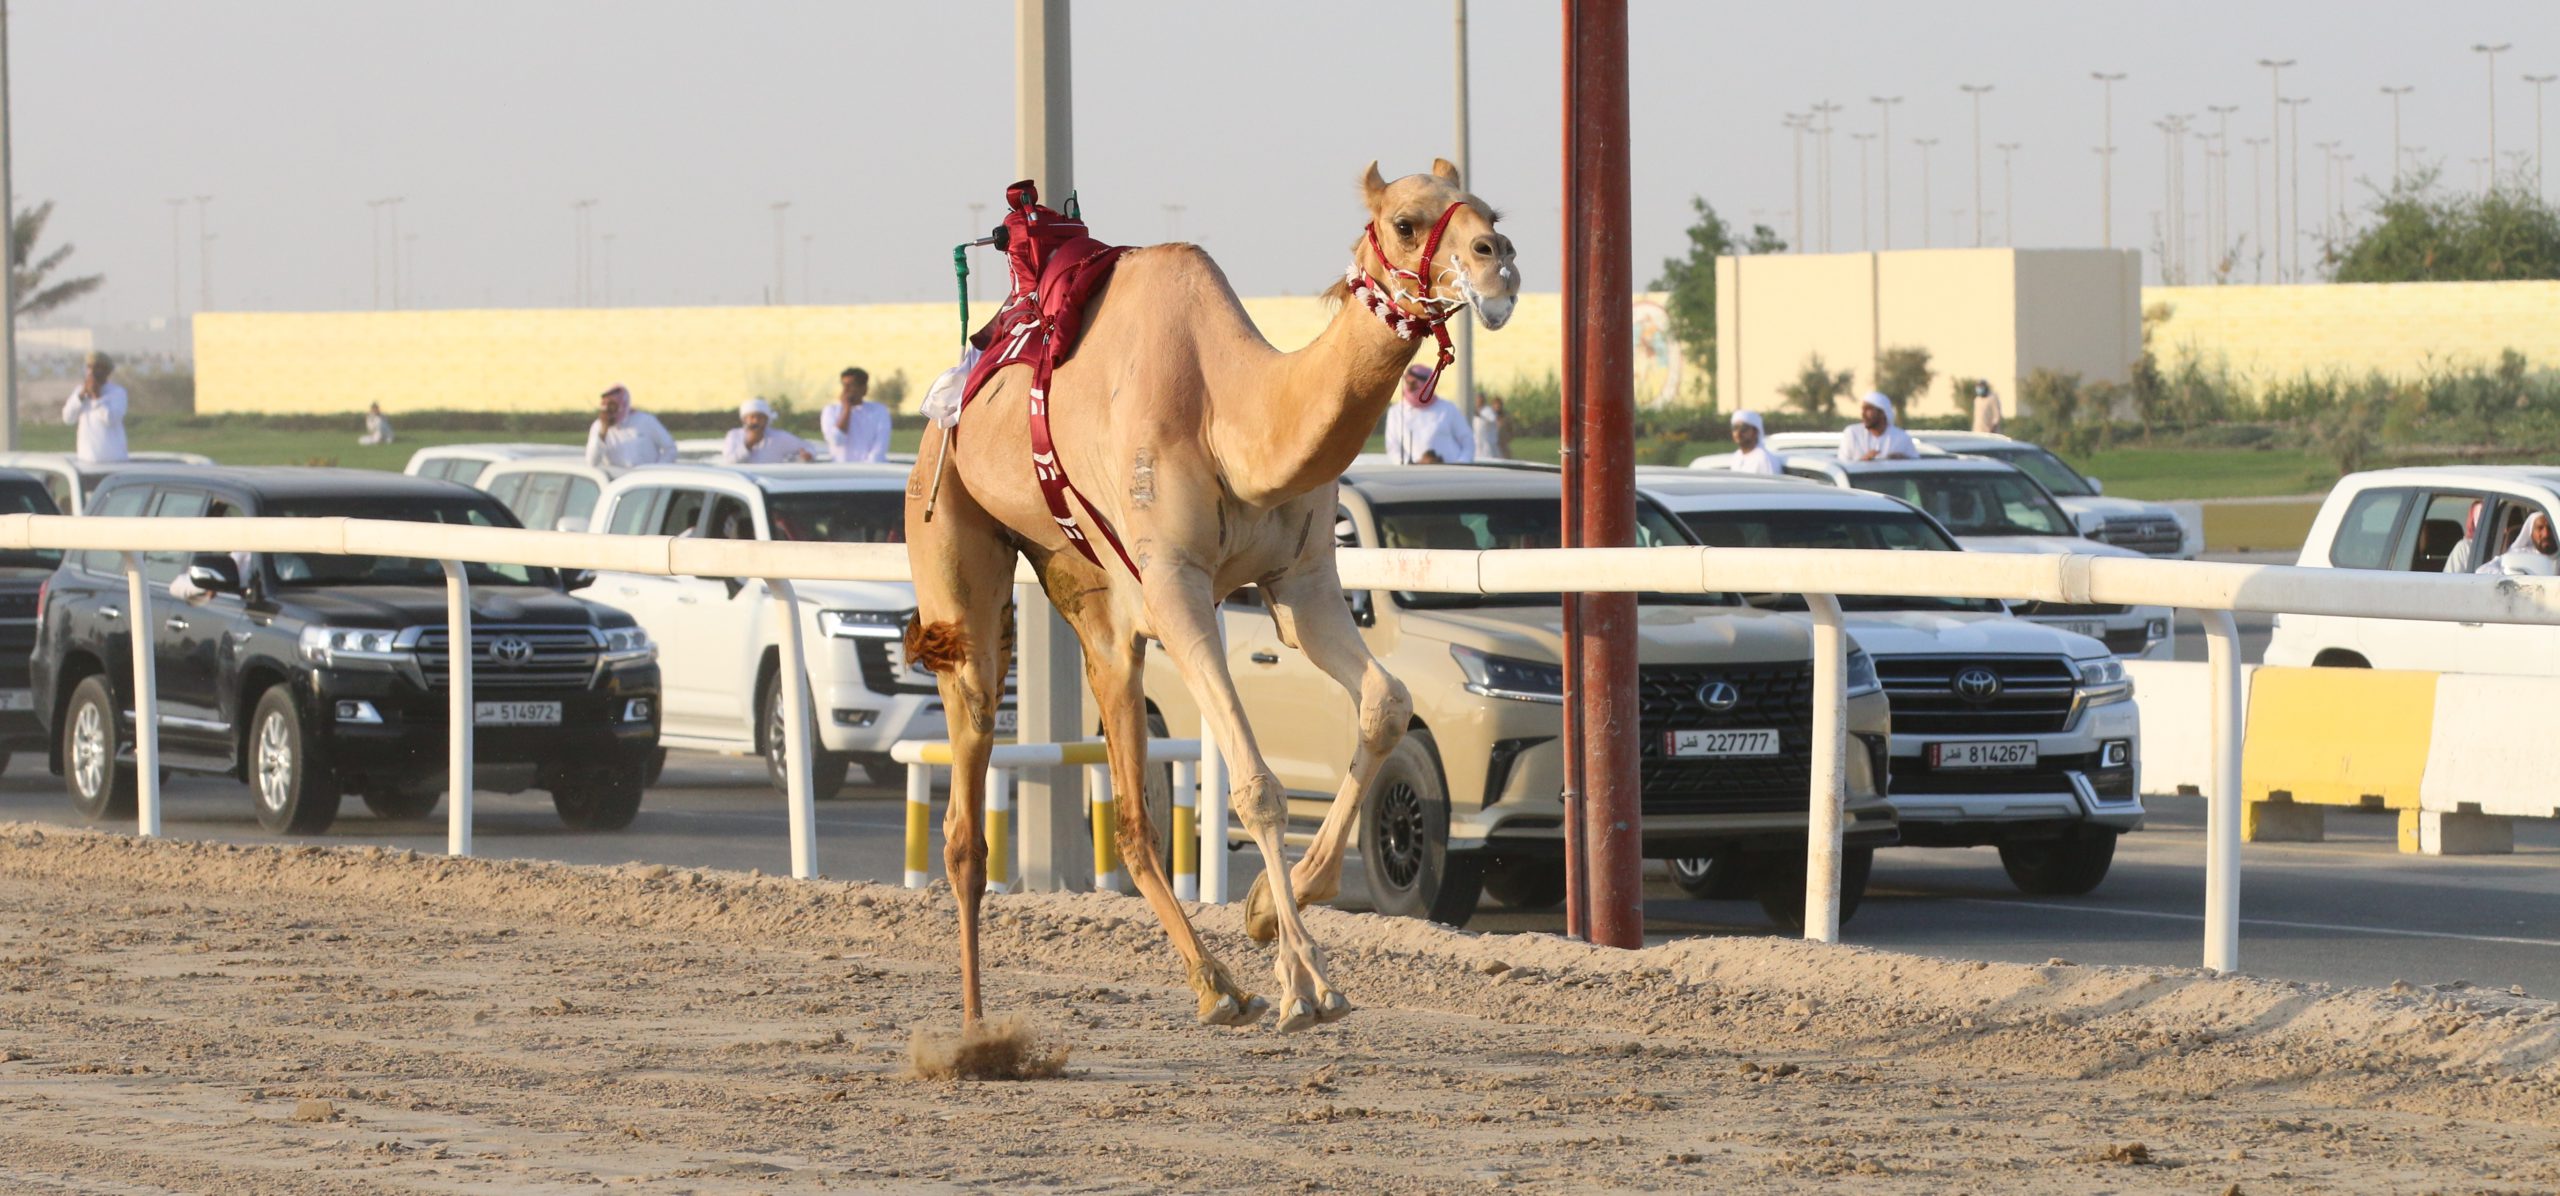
[314, 675]
[23, 573]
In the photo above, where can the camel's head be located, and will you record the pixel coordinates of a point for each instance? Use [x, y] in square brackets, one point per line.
[1472, 265]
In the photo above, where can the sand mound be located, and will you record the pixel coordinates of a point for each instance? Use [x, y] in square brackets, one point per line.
[1004, 1049]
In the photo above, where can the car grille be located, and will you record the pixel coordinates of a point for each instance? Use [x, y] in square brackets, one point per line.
[2034, 694]
[562, 658]
[2148, 534]
[2059, 610]
[1914, 778]
[1772, 696]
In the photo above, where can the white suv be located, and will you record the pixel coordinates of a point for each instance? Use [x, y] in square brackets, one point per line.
[2412, 521]
[2005, 732]
[718, 647]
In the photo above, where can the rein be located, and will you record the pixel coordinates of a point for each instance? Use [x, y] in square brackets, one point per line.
[1427, 313]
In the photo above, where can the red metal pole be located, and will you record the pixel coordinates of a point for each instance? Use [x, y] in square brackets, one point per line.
[1601, 307]
[1577, 867]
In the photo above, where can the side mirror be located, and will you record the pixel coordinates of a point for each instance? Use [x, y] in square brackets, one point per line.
[214, 573]
[1361, 612]
[2097, 487]
[734, 585]
[577, 579]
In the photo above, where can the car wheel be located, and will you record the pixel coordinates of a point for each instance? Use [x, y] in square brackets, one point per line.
[601, 799]
[101, 784]
[878, 770]
[401, 805]
[1404, 840]
[1777, 882]
[826, 769]
[296, 791]
[1525, 882]
[4, 762]
[1710, 877]
[657, 768]
[2065, 867]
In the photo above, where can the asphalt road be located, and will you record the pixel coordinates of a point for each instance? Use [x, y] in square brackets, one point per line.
[2350, 910]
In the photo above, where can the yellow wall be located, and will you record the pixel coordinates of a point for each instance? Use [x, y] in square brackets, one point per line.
[2401, 329]
[674, 359]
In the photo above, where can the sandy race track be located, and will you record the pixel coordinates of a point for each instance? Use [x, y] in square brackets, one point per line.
[198, 1018]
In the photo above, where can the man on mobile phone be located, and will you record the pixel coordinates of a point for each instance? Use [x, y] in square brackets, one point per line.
[97, 410]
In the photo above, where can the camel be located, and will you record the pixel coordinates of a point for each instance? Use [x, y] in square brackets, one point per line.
[1215, 456]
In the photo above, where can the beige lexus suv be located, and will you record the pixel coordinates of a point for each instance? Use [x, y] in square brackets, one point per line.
[1471, 800]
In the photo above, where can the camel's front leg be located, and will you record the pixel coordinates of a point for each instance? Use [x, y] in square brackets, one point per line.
[1310, 602]
[1185, 616]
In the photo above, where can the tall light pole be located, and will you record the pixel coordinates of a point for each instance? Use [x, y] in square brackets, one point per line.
[2218, 178]
[2328, 193]
[2173, 202]
[1466, 332]
[2395, 93]
[2107, 156]
[393, 204]
[1797, 124]
[2008, 195]
[177, 264]
[2293, 191]
[2257, 207]
[781, 218]
[581, 212]
[373, 208]
[808, 290]
[1864, 240]
[2275, 146]
[2491, 53]
[1822, 166]
[1977, 91]
[408, 265]
[204, 255]
[1928, 220]
[2538, 81]
[1884, 152]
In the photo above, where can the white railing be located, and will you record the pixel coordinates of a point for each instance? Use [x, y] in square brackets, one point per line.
[2213, 590]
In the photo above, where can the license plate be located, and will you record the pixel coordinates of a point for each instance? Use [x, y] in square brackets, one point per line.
[2094, 630]
[1981, 757]
[1720, 743]
[17, 699]
[516, 714]
[1007, 721]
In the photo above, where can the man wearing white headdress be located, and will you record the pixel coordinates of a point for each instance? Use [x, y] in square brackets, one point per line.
[623, 437]
[1750, 455]
[1874, 437]
[2535, 552]
[755, 441]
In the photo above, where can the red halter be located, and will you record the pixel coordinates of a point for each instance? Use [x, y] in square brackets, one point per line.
[1381, 300]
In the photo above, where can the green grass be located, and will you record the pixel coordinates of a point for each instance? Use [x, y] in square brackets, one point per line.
[243, 445]
[2169, 474]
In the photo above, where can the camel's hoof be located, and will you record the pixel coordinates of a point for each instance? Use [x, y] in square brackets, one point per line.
[1299, 1016]
[1333, 1008]
[1261, 915]
[1226, 1012]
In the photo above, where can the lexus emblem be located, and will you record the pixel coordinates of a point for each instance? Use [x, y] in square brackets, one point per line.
[510, 649]
[1977, 684]
[1719, 696]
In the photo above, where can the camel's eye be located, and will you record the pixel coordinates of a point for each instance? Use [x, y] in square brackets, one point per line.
[1404, 228]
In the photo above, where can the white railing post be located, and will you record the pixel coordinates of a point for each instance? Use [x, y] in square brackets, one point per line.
[1828, 794]
[1002, 863]
[798, 736]
[459, 707]
[1213, 817]
[2222, 806]
[1186, 830]
[146, 701]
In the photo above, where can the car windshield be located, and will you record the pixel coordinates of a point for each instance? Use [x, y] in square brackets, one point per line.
[1477, 524]
[28, 498]
[1892, 531]
[2048, 470]
[1974, 502]
[297, 570]
[839, 516]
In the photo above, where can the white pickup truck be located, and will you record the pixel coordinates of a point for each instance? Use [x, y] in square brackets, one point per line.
[718, 643]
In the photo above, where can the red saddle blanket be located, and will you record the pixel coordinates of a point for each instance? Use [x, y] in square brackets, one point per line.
[1056, 266]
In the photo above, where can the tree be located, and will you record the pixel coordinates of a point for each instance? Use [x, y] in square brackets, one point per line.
[1689, 284]
[1816, 387]
[2419, 235]
[1903, 373]
[34, 297]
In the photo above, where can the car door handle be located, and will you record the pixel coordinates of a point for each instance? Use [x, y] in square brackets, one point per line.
[177, 623]
[110, 612]
[1265, 658]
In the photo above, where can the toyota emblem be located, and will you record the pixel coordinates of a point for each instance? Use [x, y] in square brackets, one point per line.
[1720, 696]
[510, 649]
[1977, 684]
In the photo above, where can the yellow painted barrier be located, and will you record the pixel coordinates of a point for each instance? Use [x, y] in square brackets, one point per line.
[1106, 831]
[2335, 737]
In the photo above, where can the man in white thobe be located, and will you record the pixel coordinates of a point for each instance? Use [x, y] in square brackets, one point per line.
[1749, 454]
[1874, 437]
[1425, 429]
[97, 410]
[622, 437]
[755, 441]
[856, 429]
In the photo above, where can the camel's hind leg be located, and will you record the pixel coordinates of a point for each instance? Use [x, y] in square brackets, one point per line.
[1114, 664]
[963, 631]
[1182, 608]
[1309, 603]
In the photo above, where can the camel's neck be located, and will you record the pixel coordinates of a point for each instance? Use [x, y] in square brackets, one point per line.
[1313, 410]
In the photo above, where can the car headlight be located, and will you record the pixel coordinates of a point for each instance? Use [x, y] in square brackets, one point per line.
[863, 624]
[1509, 677]
[623, 645]
[329, 645]
[2104, 681]
[1862, 677]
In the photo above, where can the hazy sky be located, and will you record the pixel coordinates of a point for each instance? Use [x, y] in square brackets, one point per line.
[880, 123]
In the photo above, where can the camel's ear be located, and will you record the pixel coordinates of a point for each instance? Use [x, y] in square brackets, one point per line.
[1446, 171]
[1373, 187]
